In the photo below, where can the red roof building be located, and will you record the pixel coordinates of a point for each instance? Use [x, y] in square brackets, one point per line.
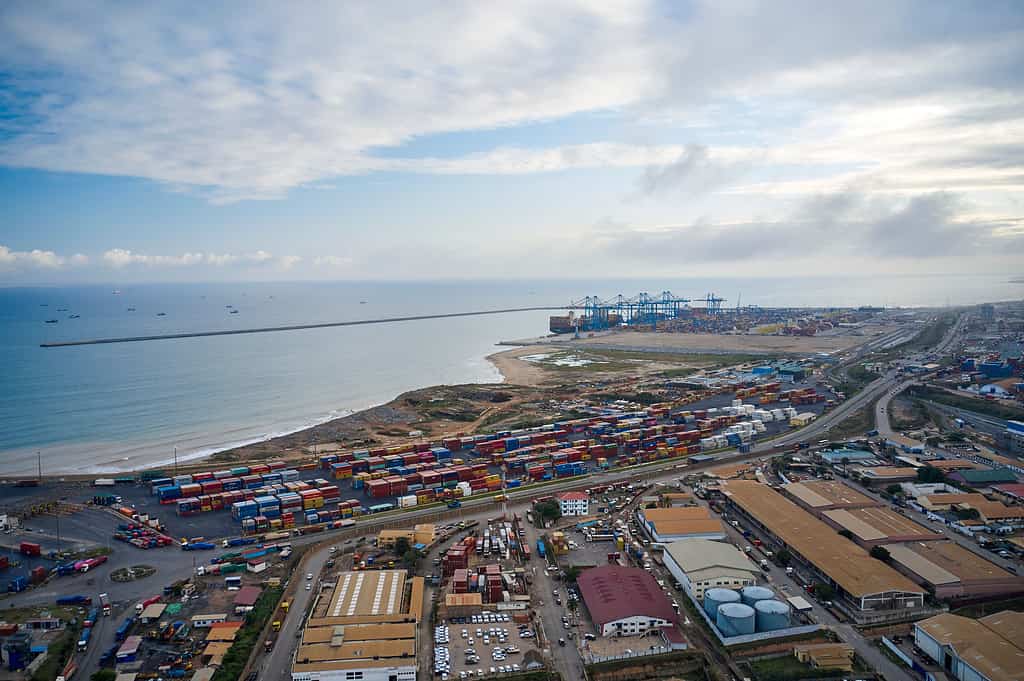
[624, 601]
[573, 503]
[246, 598]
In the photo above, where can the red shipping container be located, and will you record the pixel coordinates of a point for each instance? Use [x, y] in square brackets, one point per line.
[202, 477]
[212, 486]
[30, 549]
[277, 465]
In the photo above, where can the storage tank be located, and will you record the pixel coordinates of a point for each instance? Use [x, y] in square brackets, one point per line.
[735, 619]
[716, 597]
[771, 615]
[753, 594]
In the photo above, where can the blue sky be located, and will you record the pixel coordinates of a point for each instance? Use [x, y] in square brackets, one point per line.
[529, 139]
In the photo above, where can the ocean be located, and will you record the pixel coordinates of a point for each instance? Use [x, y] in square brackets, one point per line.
[107, 408]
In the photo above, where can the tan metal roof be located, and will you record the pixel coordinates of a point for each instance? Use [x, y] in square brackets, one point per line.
[845, 562]
[874, 524]
[359, 632]
[860, 529]
[963, 563]
[978, 645]
[356, 650]
[920, 565]
[828, 493]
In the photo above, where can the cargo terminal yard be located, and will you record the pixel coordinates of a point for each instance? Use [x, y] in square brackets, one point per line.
[731, 458]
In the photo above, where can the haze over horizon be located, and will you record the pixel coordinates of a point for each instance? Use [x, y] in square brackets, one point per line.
[180, 142]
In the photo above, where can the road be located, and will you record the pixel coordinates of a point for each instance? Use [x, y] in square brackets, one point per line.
[174, 565]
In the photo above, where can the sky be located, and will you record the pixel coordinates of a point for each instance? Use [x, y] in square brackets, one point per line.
[290, 141]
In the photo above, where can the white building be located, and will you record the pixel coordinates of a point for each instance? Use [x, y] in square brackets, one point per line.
[701, 564]
[574, 503]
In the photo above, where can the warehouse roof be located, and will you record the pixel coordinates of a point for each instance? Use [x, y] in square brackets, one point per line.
[821, 494]
[678, 528]
[985, 477]
[981, 643]
[880, 524]
[956, 464]
[934, 500]
[889, 472]
[360, 632]
[356, 650]
[846, 563]
[950, 557]
[695, 555]
[676, 513]
[1012, 489]
[367, 593]
[247, 596]
[153, 611]
[613, 592]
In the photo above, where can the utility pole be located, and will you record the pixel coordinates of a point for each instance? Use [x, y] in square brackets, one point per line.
[39, 466]
[175, 460]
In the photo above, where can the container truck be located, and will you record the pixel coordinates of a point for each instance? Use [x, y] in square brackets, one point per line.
[83, 639]
[105, 604]
[74, 600]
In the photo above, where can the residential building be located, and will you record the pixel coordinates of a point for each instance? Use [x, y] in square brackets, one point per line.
[574, 503]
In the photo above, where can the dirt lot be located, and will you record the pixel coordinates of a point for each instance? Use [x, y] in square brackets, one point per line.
[712, 343]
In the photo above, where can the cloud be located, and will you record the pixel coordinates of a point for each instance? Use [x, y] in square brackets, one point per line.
[694, 171]
[848, 224]
[331, 261]
[38, 259]
[250, 107]
[122, 257]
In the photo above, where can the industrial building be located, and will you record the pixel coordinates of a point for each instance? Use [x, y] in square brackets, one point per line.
[574, 503]
[702, 564]
[363, 627]
[828, 495]
[886, 475]
[625, 601]
[951, 571]
[1015, 436]
[420, 534]
[666, 525]
[878, 525]
[985, 478]
[986, 649]
[870, 589]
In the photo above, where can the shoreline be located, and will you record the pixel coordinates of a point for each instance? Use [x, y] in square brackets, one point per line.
[290, 444]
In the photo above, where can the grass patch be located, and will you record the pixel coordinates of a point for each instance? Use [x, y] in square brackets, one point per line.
[979, 406]
[57, 655]
[789, 668]
[914, 414]
[856, 424]
[238, 654]
[698, 358]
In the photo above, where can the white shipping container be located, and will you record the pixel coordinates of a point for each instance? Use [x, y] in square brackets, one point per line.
[104, 482]
[407, 501]
[737, 403]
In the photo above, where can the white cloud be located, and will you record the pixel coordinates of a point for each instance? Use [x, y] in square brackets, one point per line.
[122, 257]
[331, 261]
[38, 259]
[250, 107]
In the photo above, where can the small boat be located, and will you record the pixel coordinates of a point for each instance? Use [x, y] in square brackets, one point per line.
[116, 292]
[75, 316]
[44, 305]
[234, 312]
[51, 321]
[131, 309]
[229, 306]
[362, 302]
[62, 309]
[161, 314]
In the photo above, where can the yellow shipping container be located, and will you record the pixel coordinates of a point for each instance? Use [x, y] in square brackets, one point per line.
[458, 462]
[492, 478]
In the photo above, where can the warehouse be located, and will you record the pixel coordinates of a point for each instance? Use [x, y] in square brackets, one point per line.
[701, 564]
[984, 479]
[887, 475]
[986, 649]
[879, 525]
[951, 571]
[868, 586]
[827, 495]
[363, 627]
[625, 601]
[665, 525]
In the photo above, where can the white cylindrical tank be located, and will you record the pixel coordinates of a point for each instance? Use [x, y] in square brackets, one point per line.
[735, 619]
[716, 597]
[771, 615]
[753, 594]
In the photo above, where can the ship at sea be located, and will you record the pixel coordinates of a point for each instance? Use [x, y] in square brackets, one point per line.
[571, 322]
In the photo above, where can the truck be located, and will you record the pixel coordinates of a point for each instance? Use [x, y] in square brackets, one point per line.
[105, 604]
[198, 546]
[238, 541]
[83, 639]
[268, 645]
[541, 553]
[91, 618]
[28, 548]
[74, 600]
[455, 503]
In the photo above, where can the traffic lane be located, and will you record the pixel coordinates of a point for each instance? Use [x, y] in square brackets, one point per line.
[566, 659]
[279, 661]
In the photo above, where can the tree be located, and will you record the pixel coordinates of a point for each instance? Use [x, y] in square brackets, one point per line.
[894, 490]
[927, 474]
[402, 546]
[824, 591]
[880, 553]
[103, 675]
[968, 514]
[783, 556]
[846, 533]
[572, 573]
[548, 510]
[846, 462]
